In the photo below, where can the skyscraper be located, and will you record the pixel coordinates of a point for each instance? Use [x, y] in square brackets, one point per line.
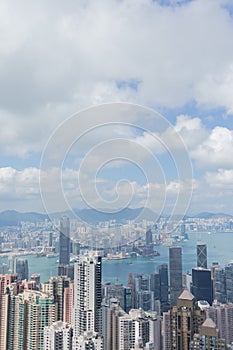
[219, 285]
[23, 318]
[148, 237]
[185, 321]
[68, 303]
[202, 255]
[40, 311]
[21, 268]
[159, 285]
[222, 315]
[163, 273]
[36, 277]
[166, 330]
[133, 330]
[64, 241]
[142, 293]
[50, 239]
[175, 267]
[229, 282]
[87, 315]
[202, 284]
[121, 293]
[56, 286]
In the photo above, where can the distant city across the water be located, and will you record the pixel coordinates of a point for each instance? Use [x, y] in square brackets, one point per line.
[219, 249]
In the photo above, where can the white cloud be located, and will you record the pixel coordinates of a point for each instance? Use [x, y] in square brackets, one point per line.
[191, 130]
[222, 179]
[56, 59]
[20, 190]
[216, 150]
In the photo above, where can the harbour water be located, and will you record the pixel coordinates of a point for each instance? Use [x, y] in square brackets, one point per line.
[219, 247]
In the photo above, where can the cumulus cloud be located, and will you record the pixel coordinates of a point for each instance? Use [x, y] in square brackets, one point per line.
[20, 190]
[222, 179]
[216, 150]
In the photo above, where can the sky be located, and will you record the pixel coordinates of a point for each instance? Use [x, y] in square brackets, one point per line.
[116, 103]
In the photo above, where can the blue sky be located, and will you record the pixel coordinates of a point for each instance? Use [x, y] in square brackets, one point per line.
[175, 57]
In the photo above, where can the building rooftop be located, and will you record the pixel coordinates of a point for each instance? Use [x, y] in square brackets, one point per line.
[209, 323]
[186, 295]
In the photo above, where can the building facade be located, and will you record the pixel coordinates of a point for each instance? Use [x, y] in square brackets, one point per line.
[64, 241]
[175, 268]
[58, 336]
[202, 284]
[202, 255]
[87, 313]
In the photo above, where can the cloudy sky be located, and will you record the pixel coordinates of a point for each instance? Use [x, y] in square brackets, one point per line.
[59, 58]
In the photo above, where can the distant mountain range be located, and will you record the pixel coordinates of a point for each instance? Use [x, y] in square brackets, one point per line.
[207, 215]
[13, 218]
[93, 216]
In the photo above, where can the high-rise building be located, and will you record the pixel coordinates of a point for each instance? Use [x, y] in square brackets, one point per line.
[76, 247]
[56, 287]
[207, 338]
[111, 310]
[11, 320]
[58, 336]
[142, 293]
[222, 315]
[68, 303]
[223, 283]
[64, 241]
[164, 287]
[36, 277]
[50, 239]
[127, 331]
[175, 267]
[66, 270]
[23, 318]
[202, 255]
[87, 315]
[40, 311]
[121, 293]
[3, 269]
[11, 264]
[155, 285]
[219, 285]
[186, 319]
[21, 268]
[166, 330]
[202, 284]
[5, 281]
[160, 286]
[133, 330]
[148, 237]
[183, 230]
[154, 330]
[229, 282]
[187, 280]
